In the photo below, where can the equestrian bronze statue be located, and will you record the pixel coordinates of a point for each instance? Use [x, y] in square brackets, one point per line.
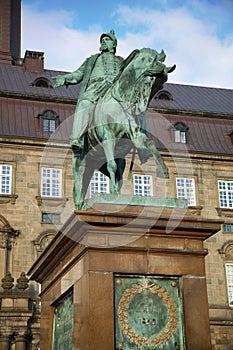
[115, 121]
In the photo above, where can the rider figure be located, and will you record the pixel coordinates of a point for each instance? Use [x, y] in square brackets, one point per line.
[96, 74]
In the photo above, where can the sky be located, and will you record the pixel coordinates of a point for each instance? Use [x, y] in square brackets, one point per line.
[196, 35]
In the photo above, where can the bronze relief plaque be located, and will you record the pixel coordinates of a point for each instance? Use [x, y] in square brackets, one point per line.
[63, 328]
[148, 313]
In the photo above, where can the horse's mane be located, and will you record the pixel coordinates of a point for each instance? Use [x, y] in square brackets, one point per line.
[126, 62]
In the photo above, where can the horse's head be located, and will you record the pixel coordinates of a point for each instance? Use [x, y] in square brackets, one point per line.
[151, 63]
[153, 71]
[142, 73]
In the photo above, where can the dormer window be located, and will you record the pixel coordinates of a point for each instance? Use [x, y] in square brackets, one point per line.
[49, 120]
[180, 132]
[42, 82]
[164, 95]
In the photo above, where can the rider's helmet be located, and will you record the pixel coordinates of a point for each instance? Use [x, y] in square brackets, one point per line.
[111, 35]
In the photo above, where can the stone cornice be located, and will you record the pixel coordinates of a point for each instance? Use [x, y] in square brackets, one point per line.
[31, 97]
[191, 113]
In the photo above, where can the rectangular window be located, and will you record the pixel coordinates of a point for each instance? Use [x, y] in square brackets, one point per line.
[99, 183]
[5, 179]
[180, 136]
[225, 190]
[229, 275]
[51, 182]
[227, 227]
[185, 189]
[51, 218]
[142, 185]
[48, 125]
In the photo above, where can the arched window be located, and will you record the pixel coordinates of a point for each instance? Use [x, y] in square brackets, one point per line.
[227, 254]
[42, 82]
[43, 240]
[164, 95]
[180, 132]
[49, 120]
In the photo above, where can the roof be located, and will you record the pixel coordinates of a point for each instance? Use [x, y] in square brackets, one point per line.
[21, 103]
[206, 135]
[19, 117]
[15, 80]
[196, 99]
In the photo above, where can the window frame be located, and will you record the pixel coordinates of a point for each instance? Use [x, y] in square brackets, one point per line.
[229, 195]
[180, 133]
[98, 182]
[49, 121]
[229, 227]
[50, 181]
[143, 185]
[164, 95]
[48, 218]
[10, 176]
[229, 283]
[192, 202]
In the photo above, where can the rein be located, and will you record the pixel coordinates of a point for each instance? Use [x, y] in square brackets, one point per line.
[128, 115]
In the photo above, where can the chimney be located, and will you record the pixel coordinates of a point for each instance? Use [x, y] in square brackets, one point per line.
[10, 30]
[33, 61]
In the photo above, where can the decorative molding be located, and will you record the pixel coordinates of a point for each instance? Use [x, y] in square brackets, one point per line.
[226, 250]
[43, 240]
[6, 228]
[194, 210]
[51, 201]
[8, 198]
[226, 212]
[128, 331]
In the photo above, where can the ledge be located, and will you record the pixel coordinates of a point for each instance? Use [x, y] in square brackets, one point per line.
[116, 199]
[8, 198]
[225, 212]
[194, 210]
[113, 227]
[51, 201]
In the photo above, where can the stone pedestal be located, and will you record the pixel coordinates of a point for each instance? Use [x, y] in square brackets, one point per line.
[107, 263]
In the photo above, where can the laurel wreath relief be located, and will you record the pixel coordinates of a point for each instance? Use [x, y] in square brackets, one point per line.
[125, 326]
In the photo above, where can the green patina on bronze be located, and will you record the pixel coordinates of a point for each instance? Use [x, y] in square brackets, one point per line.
[63, 324]
[148, 313]
[109, 120]
[105, 198]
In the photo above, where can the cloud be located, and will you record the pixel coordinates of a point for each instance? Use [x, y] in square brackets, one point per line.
[51, 32]
[197, 45]
[202, 57]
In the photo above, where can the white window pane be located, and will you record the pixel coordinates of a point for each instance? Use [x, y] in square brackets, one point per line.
[99, 183]
[229, 276]
[183, 137]
[51, 182]
[177, 135]
[142, 185]
[185, 189]
[5, 179]
[225, 190]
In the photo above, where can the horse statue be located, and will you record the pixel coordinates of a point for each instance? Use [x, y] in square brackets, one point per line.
[118, 124]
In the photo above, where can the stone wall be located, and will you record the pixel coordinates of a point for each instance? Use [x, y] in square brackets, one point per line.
[23, 211]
